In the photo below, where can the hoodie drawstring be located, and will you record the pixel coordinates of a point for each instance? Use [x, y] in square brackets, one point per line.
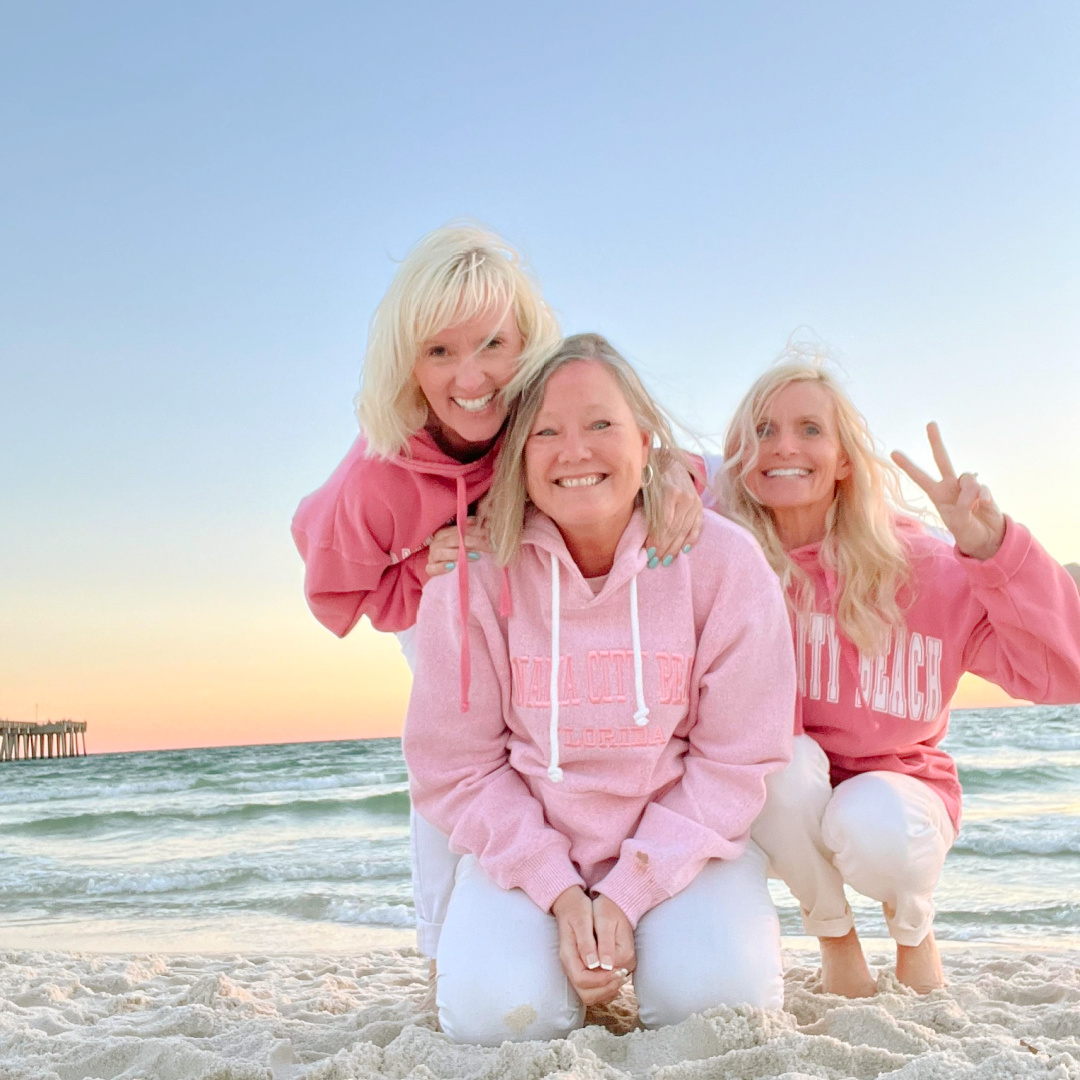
[463, 592]
[641, 715]
[554, 772]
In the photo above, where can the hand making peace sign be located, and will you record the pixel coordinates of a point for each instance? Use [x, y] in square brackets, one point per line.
[966, 507]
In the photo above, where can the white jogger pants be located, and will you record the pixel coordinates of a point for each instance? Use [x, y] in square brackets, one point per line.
[499, 978]
[883, 833]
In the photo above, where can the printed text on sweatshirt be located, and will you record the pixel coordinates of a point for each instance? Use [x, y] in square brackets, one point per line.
[1013, 619]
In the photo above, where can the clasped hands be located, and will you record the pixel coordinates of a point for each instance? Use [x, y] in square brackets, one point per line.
[596, 945]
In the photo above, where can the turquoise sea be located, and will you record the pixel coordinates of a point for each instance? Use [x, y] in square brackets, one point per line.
[305, 846]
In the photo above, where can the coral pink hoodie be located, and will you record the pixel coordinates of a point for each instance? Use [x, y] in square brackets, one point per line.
[364, 534]
[1013, 619]
[673, 696]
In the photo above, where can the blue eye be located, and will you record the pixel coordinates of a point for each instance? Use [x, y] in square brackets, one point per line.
[599, 425]
[544, 431]
[812, 429]
[764, 431]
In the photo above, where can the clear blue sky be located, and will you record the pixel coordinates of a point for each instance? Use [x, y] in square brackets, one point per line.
[200, 204]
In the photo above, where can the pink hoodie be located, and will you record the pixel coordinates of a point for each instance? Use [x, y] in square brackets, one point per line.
[364, 534]
[1013, 619]
[637, 757]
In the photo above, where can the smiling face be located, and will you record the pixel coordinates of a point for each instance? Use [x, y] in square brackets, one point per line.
[800, 459]
[584, 456]
[459, 371]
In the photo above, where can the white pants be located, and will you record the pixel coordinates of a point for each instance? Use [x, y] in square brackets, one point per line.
[433, 869]
[883, 833]
[499, 978]
[433, 863]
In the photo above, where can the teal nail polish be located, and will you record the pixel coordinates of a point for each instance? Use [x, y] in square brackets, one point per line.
[686, 549]
[654, 562]
[451, 565]
[667, 559]
[474, 555]
[651, 552]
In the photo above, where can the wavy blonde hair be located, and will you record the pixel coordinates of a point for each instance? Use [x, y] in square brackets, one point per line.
[509, 497]
[454, 274]
[861, 544]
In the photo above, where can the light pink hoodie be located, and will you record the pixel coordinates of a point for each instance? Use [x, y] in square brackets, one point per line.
[673, 696]
[1013, 619]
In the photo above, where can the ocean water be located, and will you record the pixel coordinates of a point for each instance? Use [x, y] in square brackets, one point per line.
[304, 847]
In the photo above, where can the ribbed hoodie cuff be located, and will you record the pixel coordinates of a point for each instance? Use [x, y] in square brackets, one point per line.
[545, 875]
[997, 571]
[633, 888]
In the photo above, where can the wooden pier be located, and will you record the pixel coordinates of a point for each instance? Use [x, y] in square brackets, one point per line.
[21, 741]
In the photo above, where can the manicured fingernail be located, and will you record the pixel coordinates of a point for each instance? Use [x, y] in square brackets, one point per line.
[592, 963]
[650, 552]
[606, 964]
[474, 555]
[451, 565]
[667, 559]
[686, 548]
[654, 562]
[622, 973]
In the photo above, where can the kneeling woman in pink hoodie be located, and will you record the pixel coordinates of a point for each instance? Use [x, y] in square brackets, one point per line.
[603, 782]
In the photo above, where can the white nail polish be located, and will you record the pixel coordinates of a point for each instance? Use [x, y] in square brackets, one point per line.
[607, 967]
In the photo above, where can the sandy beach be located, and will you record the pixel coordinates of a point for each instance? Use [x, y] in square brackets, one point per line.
[68, 1016]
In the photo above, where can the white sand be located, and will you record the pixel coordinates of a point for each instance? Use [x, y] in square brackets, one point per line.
[71, 1016]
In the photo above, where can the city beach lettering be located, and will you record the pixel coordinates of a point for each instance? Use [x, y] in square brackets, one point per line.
[904, 681]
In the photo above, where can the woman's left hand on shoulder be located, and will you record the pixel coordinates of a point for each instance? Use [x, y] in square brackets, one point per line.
[443, 550]
[966, 507]
[683, 514]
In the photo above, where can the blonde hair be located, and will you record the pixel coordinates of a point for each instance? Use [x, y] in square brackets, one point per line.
[453, 274]
[860, 544]
[509, 498]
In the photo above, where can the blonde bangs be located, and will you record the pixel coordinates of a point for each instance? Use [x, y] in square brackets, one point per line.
[454, 274]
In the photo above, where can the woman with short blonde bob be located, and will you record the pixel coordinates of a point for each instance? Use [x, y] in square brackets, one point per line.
[602, 789]
[460, 319]
[887, 617]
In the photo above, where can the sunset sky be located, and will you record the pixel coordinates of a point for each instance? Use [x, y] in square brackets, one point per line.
[201, 204]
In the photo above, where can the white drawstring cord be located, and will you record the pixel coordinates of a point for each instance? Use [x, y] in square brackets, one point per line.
[554, 772]
[641, 716]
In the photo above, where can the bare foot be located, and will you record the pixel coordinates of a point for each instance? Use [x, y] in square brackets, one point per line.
[919, 966]
[843, 967]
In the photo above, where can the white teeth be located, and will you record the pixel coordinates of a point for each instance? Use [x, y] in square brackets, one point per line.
[787, 472]
[474, 404]
[579, 481]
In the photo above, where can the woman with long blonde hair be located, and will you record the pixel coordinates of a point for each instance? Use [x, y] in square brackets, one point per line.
[886, 618]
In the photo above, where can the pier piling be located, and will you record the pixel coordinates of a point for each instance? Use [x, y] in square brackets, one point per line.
[21, 741]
